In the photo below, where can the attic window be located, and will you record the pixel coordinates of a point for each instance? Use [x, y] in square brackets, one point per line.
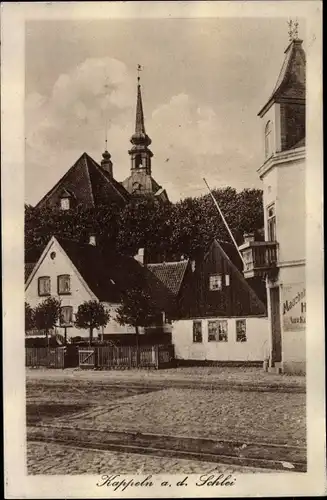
[215, 282]
[65, 203]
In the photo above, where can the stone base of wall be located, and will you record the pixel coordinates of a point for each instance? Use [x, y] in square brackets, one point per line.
[294, 367]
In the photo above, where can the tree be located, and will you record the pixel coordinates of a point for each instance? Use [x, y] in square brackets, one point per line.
[29, 317]
[91, 315]
[137, 309]
[46, 315]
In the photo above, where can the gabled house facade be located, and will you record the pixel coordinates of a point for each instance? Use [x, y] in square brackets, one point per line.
[217, 315]
[75, 273]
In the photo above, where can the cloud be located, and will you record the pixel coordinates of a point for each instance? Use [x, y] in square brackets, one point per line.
[190, 139]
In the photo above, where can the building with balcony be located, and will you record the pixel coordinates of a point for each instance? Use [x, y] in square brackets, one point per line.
[280, 259]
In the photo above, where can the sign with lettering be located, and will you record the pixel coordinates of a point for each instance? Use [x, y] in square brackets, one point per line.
[294, 307]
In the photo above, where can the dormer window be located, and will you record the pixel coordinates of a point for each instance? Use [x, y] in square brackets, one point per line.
[268, 148]
[66, 198]
[65, 203]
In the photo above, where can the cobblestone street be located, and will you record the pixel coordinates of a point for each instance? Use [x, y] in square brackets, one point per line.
[53, 458]
[262, 417]
[272, 417]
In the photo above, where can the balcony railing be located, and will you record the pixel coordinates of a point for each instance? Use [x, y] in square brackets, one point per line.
[260, 257]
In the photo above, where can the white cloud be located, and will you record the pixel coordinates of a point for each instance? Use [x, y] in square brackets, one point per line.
[190, 140]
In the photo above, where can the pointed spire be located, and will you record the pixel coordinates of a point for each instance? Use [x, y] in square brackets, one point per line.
[140, 138]
[139, 122]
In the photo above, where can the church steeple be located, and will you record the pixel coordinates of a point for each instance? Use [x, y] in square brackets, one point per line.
[140, 154]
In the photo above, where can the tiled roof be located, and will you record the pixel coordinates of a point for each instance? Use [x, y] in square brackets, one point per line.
[109, 274]
[171, 274]
[88, 183]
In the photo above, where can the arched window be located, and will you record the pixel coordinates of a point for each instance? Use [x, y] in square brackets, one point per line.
[268, 139]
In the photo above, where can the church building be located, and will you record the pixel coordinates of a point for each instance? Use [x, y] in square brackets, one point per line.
[141, 182]
[90, 184]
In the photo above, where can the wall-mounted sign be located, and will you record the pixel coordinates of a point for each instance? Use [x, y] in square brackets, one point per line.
[294, 307]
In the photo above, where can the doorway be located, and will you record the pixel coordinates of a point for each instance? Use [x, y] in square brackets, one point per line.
[276, 341]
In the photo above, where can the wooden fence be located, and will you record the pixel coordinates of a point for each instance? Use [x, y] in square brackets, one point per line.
[100, 357]
[51, 357]
[43, 356]
[124, 357]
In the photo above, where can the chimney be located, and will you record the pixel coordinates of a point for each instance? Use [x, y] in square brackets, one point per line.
[140, 256]
[248, 237]
[106, 163]
[92, 240]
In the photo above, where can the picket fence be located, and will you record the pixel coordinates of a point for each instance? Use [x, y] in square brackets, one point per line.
[124, 357]
[100, 357]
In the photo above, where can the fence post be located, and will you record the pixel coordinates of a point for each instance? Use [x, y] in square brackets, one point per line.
[157, 356]
[130, 356]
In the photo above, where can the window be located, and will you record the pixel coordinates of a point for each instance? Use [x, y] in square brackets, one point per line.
[240, 330]
[197, 331]
[271, 223]
[227, 280]
[44, 286]
[65, 203]
[64, 284]
[217, 331]
[268, 139]
[66, 315]
[215, 282]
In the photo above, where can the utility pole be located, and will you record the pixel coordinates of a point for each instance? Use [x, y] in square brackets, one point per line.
[224, 220]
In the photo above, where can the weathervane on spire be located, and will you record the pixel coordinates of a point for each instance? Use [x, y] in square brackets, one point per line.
[293, 32]
[139, 69]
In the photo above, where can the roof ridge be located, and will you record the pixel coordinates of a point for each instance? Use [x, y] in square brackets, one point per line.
[86, 156]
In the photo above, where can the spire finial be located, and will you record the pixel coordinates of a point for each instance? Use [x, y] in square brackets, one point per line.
[139, 69]
[293, 31]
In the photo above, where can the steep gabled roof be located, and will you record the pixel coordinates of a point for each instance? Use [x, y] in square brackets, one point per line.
[29, 266]
[291, 80]
[107, 274]
[230, 252]
[89, 184]
[171, 274]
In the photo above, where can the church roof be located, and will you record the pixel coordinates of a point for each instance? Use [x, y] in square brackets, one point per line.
[291, 80]
[87, 183]
[171, 274]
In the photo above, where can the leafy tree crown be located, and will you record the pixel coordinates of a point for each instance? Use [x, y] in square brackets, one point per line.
[91, 314]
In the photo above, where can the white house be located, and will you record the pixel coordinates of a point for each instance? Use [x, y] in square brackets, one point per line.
[217, 315]
[281, 257]
[75, 273]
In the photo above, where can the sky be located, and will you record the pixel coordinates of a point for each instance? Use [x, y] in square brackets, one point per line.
[203, 84]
